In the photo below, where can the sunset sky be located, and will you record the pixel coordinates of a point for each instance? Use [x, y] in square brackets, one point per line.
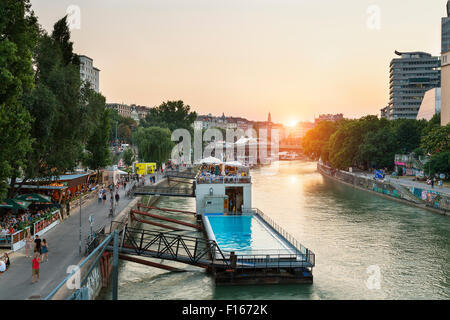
[293, 58]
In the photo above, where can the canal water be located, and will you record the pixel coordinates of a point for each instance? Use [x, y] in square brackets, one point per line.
[366, 247]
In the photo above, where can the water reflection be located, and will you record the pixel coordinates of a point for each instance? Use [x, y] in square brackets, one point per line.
[349, 230]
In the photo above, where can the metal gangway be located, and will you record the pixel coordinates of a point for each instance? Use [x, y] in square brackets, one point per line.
[171, 246]
[164, 191]
[184, 174]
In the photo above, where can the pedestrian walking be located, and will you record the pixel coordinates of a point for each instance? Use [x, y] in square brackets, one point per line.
[6, 260]
[28, 243]
[37, 245]
[104, 197]
[100, 196]
[44, 250]
[68, 207]
[125, 185]
[117, 197]
[35, 267]
[432, 183]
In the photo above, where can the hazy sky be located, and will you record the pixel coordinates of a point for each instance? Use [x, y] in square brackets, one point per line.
[294, 58]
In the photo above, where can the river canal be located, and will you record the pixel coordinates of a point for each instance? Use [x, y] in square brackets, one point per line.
[366, 247]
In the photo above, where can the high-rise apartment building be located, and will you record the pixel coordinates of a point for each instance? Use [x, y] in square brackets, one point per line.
[411, 76]
[89, 73]
[445, 69]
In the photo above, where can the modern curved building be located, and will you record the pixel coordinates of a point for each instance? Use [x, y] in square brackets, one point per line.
[431, 104]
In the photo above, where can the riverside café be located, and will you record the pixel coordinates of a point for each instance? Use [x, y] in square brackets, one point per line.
[60, 188]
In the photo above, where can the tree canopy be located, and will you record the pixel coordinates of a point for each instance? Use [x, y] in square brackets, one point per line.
[18, 36]
[370, 142]
[171, 114]
[154, 144]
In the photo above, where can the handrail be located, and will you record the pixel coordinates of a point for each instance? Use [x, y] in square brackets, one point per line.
[223, 179]
[172, 244]
[53, 292]
[298, 246]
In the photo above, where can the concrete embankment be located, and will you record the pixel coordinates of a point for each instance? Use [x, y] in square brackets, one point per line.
[430, 200]
[106, 265]
[100, 275]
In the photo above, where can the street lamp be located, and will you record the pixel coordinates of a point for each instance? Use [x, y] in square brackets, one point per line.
[80, 223]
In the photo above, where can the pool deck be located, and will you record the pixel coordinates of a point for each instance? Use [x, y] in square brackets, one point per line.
[286, 256]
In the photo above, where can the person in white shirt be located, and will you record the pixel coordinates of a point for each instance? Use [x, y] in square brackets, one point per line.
[2, 266]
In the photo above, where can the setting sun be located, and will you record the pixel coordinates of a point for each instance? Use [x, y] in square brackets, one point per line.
[292, 123]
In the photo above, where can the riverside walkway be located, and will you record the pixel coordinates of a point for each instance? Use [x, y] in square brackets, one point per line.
[406, 182]
[63, 241]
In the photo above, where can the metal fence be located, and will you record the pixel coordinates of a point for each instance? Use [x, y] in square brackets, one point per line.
[224, 179]
[308, 254]
[93, 257]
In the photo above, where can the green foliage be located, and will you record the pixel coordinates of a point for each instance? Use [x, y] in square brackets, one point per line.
[440, 163]
[128, 157]
[378, 148]
[437, 140]
[154, 144]
[315, 142]
[344, 144]
[97, 146]
[371, 142]
[408, 133]
[171, 114]
[18, 33]
[125, 127]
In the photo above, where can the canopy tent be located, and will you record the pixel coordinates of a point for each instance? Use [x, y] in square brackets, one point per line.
[34, 197]
[122, 172]
[244, 140]
[14, 204]
[210, 160]
[234, 164]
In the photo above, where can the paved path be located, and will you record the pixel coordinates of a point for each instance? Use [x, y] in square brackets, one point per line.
[410, 183]
[63, 242]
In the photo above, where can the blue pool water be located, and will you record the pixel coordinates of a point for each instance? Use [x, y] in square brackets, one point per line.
[245, 235]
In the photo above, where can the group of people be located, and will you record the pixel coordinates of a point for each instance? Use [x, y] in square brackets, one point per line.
[37, 247]
[113, 190]
[11, 223]
[40, 253]
[214, 173]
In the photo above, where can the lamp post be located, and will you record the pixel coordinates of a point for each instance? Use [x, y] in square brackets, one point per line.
[80, 225]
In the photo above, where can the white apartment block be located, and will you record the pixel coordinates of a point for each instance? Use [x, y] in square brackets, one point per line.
[89, 73]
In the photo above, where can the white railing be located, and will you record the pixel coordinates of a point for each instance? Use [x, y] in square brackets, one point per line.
[224, 179]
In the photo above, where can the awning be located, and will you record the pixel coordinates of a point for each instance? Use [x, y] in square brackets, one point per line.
[210, 160]
[34, 197]
[234, 164]
[14, 204]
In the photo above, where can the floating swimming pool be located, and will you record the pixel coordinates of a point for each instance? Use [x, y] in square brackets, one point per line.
[246, 235]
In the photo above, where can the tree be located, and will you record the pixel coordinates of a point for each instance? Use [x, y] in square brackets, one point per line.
[437, 140]
[440, 163]
[124, 132]
[154, 144]
[58, 105]
[97, 148]
[378, 149]
[18, 34]
[128, 157]
[315, 141]
[408, 133]
[171, 114]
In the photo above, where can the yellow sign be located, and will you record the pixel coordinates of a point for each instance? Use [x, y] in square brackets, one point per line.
[145, 168]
